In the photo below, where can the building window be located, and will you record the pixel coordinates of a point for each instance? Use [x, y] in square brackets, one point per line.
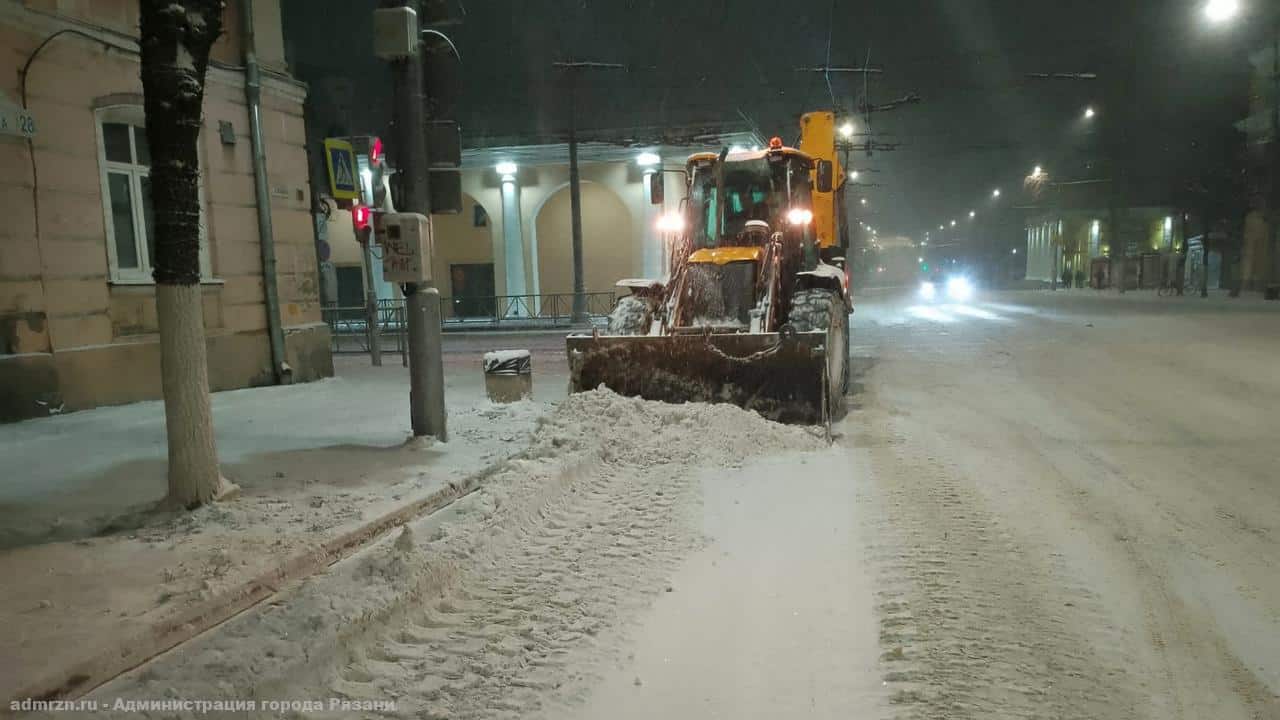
[124, 161]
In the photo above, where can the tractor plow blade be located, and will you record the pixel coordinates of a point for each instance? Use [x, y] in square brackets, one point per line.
[782, 378]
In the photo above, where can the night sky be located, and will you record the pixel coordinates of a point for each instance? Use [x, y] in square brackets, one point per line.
[1169, 85]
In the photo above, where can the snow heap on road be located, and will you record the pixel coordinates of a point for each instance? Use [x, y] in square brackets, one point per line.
[508, 602]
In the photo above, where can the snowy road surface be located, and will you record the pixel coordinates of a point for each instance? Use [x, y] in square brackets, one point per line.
[1057, 506]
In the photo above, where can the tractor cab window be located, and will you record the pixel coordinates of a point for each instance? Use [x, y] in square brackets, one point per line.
[753, 190]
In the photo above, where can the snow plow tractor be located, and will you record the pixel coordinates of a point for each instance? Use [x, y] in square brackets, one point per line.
[755, 308]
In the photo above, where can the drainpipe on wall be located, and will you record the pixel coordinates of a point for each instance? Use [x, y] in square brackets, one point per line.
[262, 194]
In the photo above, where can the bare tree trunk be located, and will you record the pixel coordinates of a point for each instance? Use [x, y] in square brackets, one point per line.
[176, 36]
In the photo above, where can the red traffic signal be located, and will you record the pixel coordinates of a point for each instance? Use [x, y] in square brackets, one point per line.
[360, 217]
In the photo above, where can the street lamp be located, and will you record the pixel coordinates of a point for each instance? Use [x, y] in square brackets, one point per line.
[864, 201]
[853, 175]
[972, 214]
[1219, 11]
[995, 193]
[1089, 113]
[846, 130]
[953, 223]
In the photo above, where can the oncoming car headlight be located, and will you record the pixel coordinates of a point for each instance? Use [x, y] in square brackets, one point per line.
[927, 290]
[960, 289]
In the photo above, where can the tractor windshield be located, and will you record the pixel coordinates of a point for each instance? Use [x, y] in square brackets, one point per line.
[761, 189]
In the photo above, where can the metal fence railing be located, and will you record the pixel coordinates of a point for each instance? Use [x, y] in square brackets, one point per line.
[350, 328]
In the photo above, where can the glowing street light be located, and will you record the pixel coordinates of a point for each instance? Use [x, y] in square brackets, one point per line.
[846, 130]
[853, 175]
[953, 223]
[995, 193]
[972, 214]
[864, 201]
[1089, 113]
[1220, 11]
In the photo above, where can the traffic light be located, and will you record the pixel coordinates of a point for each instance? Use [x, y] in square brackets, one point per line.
[362, 222]
[378, 176]
[373, 171]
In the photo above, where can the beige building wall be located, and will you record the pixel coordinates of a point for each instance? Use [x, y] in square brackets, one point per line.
[71, 335]
[607, 246]
[616, 222]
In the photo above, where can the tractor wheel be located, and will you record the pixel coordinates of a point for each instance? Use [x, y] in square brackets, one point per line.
[631, 316]
[824, 310]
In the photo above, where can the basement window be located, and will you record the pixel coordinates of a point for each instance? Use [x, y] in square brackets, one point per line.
[124, 163]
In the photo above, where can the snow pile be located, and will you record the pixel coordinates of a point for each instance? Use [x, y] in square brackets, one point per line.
[630, 314]
[508, 602]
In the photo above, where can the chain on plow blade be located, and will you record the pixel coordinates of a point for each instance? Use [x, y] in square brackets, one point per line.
[780, 376]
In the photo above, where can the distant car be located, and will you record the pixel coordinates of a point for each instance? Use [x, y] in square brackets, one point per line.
[954, 286]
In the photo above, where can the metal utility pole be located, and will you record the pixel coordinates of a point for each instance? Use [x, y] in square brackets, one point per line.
[1274, 150]
[575, 186]
[372, 330]
[575, 211]
[422, 301]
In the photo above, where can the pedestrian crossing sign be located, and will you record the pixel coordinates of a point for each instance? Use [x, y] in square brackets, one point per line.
[340, 158]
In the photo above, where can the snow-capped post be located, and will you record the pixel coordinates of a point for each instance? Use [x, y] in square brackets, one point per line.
[176, 36]
[508, 375]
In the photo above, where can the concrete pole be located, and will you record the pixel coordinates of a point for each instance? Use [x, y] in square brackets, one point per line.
[422, 303]
[513, 244]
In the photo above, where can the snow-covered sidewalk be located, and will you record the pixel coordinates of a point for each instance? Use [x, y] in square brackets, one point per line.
[319, 465]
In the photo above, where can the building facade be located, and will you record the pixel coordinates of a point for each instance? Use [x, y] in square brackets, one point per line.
[513, 239]
[77, 303]
[1074, 247]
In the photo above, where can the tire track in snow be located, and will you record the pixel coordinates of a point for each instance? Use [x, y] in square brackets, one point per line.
[555, 560]
[976, 623]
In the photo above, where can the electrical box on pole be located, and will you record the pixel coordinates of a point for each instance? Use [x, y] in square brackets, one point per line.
[395, 33]
[406, 248]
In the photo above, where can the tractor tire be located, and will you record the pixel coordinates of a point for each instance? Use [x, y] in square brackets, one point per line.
[631, 316]
[823, 310]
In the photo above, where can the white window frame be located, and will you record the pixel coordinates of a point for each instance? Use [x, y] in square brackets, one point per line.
[135, 116]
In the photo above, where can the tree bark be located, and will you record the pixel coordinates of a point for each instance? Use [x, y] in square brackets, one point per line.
[176, 36]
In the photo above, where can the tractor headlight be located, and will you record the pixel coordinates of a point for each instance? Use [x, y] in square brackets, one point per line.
[800, 216]
[672, 222]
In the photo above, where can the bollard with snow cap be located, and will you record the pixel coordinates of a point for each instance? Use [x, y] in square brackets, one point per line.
[508, 375]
